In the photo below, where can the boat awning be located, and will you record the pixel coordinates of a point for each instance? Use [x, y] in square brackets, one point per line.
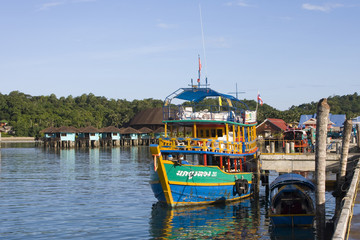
[291, 178]
[198, 94]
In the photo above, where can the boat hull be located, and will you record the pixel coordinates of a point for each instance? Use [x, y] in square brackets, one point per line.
[196, 184]
[303, 220]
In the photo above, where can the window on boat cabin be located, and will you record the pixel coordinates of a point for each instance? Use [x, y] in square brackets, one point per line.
[63, 134]
[207, 133]
[92, 134]
[201, 133]
[219, 132]
[115, 134]
[213, 133]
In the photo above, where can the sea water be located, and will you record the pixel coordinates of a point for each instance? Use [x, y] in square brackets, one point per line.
[104, 193]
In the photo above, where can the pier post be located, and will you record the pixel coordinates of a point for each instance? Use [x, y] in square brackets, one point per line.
[292, 147]
[287, 147]
[343, 162]
[272, 147]
[323, 110]
[358, 134]
[257, 188]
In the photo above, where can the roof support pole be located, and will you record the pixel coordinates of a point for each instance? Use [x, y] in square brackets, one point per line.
[194, 130]
[227, 131]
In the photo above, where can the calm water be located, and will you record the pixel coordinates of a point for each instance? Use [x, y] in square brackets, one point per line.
[105, 194]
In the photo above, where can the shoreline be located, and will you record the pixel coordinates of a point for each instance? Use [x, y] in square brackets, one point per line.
[16, 139]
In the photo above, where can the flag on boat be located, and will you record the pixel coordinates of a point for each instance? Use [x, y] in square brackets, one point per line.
[229, 102]
[259, 99]
[220, 102]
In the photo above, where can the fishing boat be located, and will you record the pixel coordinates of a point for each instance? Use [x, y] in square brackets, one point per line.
[206, 154]
[292, 201]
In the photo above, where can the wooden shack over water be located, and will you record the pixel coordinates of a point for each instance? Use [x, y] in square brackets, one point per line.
[63, 137]
[110, 136]
[88, 137]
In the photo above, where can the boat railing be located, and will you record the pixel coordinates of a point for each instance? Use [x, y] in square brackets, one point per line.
[208, 112]
[206, 144]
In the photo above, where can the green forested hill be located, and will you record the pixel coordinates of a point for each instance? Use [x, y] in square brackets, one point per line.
[30, 114]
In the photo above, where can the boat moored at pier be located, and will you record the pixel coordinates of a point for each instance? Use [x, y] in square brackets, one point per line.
[207, 151]
[292, 201]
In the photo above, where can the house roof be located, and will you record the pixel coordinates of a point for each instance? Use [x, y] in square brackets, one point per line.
[49, 130]
[89, 129]
[153, 116]
[66, 129]
[145, 130]
[110, 129]
[160, 130]
[279, 123]
[356, 120]
[337, 119]
[129, 130]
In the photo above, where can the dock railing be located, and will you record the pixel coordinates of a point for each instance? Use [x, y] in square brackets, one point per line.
[282, 146]
[342, 225]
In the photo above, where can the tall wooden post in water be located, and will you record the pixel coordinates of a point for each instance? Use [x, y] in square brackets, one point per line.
[358, 134]
[343, 162]
[323, 110]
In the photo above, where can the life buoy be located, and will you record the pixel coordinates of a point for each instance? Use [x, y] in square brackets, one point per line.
[241, 186]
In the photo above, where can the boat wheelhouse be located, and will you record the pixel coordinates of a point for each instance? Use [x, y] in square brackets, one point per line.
[207, 151]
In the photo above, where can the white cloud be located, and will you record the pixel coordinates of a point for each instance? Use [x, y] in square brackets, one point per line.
[327, 7]
[239, 3]
[161, 24]
[49, 5]
[164, 25]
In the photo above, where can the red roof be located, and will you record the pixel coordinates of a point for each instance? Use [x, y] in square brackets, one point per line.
[279, 123]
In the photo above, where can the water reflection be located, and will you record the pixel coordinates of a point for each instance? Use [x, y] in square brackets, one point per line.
[67, 163]
[94, 160]
[241, 220]
[115, 160]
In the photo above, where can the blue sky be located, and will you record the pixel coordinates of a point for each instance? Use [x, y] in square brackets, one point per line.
[291, 51]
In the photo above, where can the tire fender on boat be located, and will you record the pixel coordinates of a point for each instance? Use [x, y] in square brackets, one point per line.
[241, 186]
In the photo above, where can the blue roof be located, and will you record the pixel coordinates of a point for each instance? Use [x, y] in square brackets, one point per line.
[198, 94]
[356, 120]
[337, 119]
[291, 178]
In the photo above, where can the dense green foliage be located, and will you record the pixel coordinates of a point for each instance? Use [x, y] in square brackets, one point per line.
[30, 114]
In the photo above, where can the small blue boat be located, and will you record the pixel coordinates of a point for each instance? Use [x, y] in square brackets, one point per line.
[292, 201]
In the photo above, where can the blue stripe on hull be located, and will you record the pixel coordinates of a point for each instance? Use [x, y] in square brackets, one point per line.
[183, 194]
[292, 220]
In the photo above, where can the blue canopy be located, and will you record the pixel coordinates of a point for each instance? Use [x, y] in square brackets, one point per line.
[198, 94]
[291, 178]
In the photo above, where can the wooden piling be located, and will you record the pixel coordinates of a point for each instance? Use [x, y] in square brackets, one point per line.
[323, 110]
[345, 149]
[358, 134]
[343, 162]
[257, 188]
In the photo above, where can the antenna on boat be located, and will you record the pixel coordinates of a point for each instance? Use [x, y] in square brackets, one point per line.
[236, 92]
[203, 43]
